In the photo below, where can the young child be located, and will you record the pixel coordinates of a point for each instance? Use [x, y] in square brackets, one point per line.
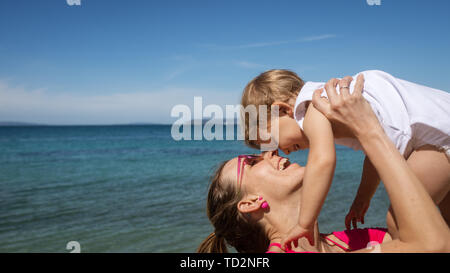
[416, 118]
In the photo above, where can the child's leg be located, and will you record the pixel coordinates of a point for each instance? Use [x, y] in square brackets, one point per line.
[433, 170]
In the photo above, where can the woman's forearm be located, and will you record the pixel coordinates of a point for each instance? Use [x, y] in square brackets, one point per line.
[418, 219]
[420, 225]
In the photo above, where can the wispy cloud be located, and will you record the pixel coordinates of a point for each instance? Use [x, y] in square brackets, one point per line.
[176, 72]
[246, 64]
[268, 43]
[43, 106]
[320, 37]
[182, 64]
[262, 44]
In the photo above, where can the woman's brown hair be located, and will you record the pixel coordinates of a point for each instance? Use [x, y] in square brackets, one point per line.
[231, 226]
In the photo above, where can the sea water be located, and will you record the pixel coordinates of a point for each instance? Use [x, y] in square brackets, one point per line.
[130, 188]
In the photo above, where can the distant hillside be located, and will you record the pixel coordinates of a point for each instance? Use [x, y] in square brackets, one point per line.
[141, 123]
[14, 123]
[224, 121]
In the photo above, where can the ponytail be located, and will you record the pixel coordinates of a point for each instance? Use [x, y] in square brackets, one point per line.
[231, 227]
[213, 244]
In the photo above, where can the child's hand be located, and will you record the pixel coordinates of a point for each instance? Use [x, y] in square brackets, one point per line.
[296, 233]
[357, 212]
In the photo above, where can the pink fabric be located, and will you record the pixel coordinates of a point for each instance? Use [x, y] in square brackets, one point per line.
[287, 250]
[359, 238]
[354, 238]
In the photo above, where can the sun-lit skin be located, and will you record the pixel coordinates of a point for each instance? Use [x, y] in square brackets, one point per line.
[272, 179]
[279, 183]
[265, 174]
[289, 136]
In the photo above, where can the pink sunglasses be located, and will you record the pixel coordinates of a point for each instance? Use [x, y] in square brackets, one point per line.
[246, 159]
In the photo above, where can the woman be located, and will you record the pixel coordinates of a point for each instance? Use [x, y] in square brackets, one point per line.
[254, 201]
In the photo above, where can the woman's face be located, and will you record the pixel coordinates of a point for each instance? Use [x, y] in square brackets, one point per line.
[272, 176]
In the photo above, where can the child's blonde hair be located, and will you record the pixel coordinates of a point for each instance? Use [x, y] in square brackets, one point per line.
[270, 86]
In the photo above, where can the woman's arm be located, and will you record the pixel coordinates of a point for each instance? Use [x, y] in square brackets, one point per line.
[421, 226]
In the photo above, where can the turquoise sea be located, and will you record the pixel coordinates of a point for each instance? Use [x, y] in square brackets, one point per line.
[129, 188]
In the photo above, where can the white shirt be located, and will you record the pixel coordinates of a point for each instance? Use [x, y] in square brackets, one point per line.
[411, 115]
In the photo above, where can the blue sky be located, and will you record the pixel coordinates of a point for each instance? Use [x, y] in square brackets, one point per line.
[122, 61]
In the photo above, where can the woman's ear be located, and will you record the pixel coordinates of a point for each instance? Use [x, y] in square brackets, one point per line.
[284, 108]
[249, 204]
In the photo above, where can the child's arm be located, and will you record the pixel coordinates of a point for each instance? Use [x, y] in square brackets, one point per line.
[318, 174]
[367, 188]
[320, 167]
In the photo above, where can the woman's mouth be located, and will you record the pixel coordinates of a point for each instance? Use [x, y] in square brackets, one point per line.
[283, 163]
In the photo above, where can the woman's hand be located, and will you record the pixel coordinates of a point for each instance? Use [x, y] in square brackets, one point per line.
[420, 224]
[357, 212]
[352, 110]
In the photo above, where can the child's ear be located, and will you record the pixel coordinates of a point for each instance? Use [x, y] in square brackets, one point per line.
[284, 108]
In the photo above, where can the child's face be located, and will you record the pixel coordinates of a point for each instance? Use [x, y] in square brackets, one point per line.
[290, 137]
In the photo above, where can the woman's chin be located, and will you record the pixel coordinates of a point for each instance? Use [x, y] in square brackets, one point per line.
[297, 171]
[293, 167]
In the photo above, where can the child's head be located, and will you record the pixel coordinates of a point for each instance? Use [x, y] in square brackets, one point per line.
[275, 87]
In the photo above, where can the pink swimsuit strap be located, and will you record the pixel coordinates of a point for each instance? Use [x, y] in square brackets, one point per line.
[335, 243]
[354, 238]
[287, 250]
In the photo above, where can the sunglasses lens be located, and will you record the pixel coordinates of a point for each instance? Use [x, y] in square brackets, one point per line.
[252, 160]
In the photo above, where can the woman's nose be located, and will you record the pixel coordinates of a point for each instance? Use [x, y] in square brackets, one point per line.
[270, 154]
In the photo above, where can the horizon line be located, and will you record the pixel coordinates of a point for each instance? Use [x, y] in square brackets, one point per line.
[24, 124]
